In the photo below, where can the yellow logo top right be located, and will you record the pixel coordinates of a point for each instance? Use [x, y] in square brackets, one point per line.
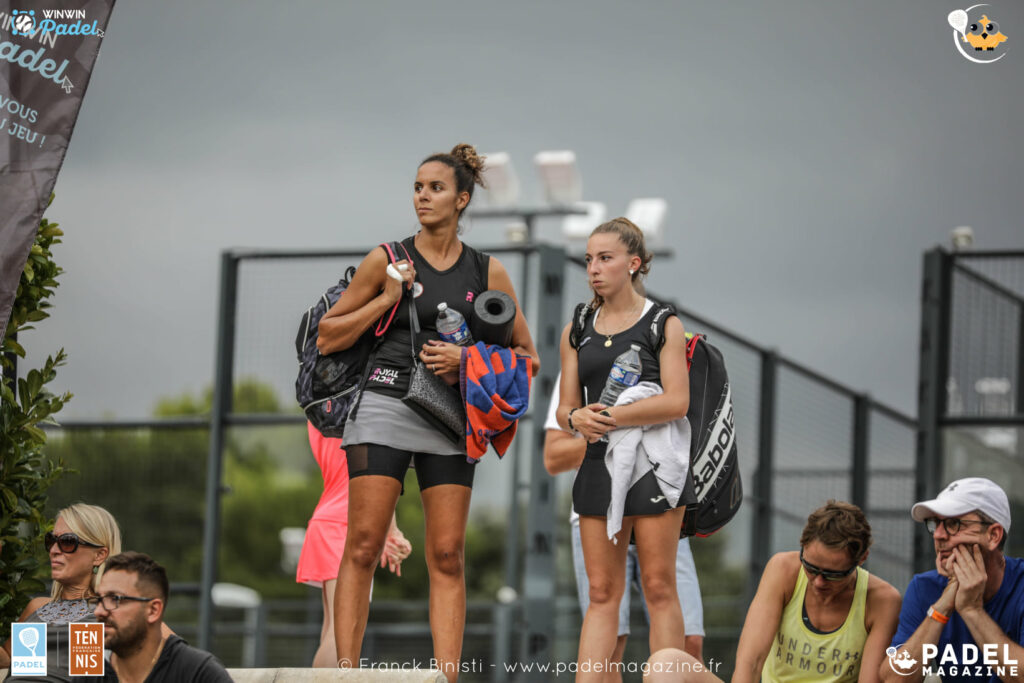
[978, 32]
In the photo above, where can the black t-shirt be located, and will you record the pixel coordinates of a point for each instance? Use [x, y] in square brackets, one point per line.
[457, 286]
[595, 360]
[179, 662]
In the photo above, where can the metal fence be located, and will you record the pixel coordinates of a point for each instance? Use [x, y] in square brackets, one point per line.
[972, 374]
[803, 439]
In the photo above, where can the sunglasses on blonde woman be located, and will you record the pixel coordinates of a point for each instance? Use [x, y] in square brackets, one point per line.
[68, 543]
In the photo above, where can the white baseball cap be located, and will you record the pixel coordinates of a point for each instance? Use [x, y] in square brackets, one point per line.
[967, 495]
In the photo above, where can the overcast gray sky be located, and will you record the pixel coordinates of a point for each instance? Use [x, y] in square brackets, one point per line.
[810, 153]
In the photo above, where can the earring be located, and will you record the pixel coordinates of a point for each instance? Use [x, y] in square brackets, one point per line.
[631, 273]
[95, 569]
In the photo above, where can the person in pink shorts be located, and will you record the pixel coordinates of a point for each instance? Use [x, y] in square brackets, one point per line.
[325, 538]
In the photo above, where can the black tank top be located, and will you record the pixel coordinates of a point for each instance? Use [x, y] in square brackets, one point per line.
[458, 286]
[595, 360]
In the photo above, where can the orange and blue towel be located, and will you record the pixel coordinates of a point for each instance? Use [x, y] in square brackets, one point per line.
[496, 388]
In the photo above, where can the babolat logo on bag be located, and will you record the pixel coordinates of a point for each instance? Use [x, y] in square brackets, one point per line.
[28, 649]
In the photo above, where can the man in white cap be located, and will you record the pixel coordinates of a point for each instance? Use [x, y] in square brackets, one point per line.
[971, 606]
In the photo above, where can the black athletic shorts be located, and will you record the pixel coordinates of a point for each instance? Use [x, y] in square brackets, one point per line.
[431, 469]
[592, 489]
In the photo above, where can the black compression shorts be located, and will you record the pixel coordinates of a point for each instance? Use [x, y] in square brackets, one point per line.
[431, 469]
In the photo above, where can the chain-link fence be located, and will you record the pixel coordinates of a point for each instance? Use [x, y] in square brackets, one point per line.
[972, 379]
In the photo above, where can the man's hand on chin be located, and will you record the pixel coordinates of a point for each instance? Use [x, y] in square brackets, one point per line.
[968, 566]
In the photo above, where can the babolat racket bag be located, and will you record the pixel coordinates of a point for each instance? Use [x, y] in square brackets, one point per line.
[714, 460]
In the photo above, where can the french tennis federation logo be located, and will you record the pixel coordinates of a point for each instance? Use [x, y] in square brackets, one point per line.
[85, 649]
[28, 649]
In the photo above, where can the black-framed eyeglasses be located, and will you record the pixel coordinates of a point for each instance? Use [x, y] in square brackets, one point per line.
[951, 524]
[68, 543]
[112, 601]
[827, 574]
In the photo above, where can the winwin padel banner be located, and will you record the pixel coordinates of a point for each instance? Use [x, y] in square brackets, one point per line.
[47, 52]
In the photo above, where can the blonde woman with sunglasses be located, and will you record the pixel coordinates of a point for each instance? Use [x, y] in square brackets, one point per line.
[83, 537]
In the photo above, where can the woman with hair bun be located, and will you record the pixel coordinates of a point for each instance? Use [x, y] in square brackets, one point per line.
[385, 436]
[620, 317]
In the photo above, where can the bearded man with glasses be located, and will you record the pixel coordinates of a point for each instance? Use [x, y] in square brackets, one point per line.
[971, 606]
[130, 604]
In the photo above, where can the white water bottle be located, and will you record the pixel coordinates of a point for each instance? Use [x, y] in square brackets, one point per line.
[625, 373]
[452, 326]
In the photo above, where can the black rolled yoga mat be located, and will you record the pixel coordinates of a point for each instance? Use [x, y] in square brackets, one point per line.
[493, 319]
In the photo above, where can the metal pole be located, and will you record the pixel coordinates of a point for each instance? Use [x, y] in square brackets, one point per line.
[761, 540]
[539, 573]
[11, 371]
[861, 440]
[933, 371]
[1019, 404]
[222, 392]
[503, 622]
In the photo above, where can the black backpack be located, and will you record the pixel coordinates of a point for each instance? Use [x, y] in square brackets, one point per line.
[714, 460]
[327, 386]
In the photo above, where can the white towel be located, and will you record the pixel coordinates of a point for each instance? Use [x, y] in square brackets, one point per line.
[635, 451]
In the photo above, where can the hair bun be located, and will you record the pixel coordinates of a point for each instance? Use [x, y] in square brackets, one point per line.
[466, 154]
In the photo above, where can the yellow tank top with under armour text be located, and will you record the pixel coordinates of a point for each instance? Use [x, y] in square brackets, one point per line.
[799, 655]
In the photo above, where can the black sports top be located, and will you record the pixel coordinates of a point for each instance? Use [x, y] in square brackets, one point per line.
[458, 286]
[595, 360]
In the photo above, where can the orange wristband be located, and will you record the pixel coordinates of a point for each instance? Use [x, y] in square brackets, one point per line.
[937, 615]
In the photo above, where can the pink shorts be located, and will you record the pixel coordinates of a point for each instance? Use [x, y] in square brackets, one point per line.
[321, 552]
[326, 531]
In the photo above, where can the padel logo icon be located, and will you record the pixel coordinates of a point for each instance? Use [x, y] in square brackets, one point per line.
[901, 662]
[28, 649]
[23, 23]
[984, 39]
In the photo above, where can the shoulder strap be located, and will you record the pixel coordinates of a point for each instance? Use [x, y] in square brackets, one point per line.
[579, 321]
[385, 321]
[656, 332]
[691, 346]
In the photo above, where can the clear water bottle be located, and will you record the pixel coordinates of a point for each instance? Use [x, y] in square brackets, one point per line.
[452, 326]
[625, 373]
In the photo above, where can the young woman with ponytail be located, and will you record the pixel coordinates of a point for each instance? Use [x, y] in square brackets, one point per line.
[617, 261]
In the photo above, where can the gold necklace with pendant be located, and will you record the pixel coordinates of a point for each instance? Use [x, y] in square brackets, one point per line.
[608, 337]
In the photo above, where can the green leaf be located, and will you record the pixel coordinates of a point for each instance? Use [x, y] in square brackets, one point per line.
[35, 383]
[15, 347]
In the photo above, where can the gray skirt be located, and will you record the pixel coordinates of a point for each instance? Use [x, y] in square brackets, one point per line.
[387, 421]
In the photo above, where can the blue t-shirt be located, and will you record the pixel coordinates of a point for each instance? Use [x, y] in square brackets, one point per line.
[1006, 608]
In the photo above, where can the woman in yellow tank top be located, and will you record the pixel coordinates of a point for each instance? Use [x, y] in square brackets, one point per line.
[817, 615]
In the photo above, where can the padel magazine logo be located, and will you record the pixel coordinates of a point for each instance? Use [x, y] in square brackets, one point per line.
[28, 649]
[956, 659]
[977, 35]
[901, 662]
